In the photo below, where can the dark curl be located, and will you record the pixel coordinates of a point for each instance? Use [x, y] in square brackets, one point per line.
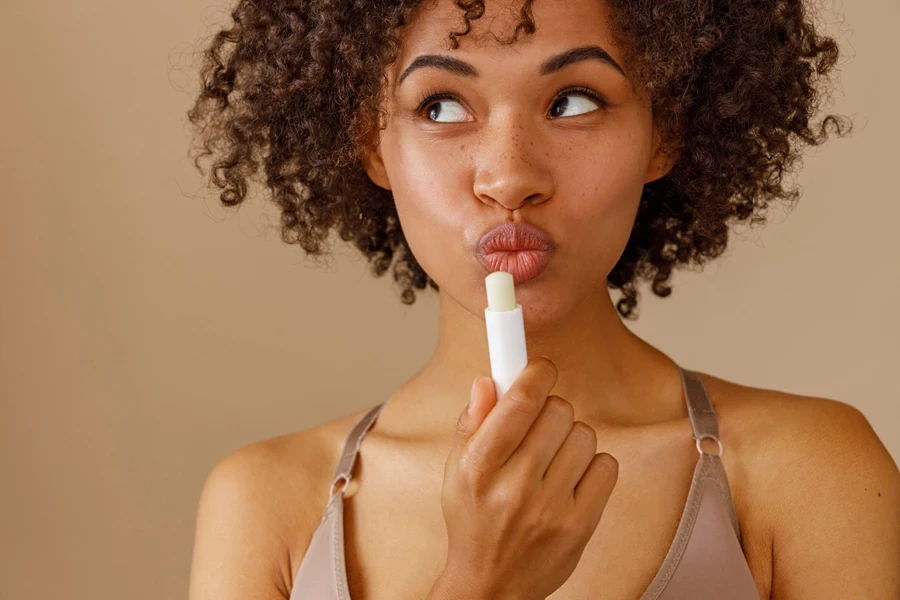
[295, 87]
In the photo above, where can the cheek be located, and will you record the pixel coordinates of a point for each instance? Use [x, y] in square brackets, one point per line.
[602, 189]
[429, 189]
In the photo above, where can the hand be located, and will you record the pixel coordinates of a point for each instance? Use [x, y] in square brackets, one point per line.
[523, 490]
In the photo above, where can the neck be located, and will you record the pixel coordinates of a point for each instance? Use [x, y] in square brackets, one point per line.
[612, 377]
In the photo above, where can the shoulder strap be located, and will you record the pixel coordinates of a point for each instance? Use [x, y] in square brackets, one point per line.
[703, 417]
[706, 425]
[352, 442]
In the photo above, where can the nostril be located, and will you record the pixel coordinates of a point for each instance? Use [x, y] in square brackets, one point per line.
[540, 199]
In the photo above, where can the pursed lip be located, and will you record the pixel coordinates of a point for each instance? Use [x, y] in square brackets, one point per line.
[522, 249]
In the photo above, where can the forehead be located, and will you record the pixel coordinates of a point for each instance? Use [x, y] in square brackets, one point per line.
[560, 24]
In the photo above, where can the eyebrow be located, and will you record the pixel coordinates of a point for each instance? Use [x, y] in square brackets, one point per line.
[574, 55]
[551, 65]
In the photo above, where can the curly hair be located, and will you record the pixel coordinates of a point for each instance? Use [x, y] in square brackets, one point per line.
[296, 88]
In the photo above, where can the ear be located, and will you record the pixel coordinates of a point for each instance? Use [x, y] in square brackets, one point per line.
[663, 159]
[374, 165]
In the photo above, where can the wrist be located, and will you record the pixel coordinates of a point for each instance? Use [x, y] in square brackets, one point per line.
[451, 585]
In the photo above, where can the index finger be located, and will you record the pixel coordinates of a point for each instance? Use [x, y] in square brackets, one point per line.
[506, 425]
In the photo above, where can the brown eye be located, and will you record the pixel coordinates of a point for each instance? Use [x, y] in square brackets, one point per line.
[581, 104]
[454, 114]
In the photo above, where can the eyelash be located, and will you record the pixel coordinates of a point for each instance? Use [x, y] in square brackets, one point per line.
[430, 97]
[433, 96]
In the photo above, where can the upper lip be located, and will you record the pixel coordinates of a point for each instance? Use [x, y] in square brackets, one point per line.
[510, 237]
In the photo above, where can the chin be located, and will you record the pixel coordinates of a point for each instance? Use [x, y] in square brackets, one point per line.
[540, 297]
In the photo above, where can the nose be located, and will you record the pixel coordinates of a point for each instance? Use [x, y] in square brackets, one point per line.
[511, 167]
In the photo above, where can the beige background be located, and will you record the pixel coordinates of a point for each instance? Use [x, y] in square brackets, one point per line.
[146, 332]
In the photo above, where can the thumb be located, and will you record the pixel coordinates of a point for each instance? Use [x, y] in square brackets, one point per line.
[482, 398]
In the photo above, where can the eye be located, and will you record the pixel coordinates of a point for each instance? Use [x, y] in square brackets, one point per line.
[441, 105]
[583, 97]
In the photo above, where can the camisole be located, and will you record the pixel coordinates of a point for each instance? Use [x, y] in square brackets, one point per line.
[705, 560]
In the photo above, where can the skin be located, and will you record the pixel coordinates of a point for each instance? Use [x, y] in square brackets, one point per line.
[507, 161]
[816, 493]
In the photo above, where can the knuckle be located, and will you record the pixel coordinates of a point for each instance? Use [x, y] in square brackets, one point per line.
[519, 400]
[546, 367]
[562, 407]
[472, 469]
[608, 462]
[572, 529]
[503, 498]
[584, 434]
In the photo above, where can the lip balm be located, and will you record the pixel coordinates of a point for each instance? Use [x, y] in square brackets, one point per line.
[505, 331]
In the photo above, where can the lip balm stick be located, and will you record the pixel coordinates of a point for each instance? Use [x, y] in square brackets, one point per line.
[505, 331]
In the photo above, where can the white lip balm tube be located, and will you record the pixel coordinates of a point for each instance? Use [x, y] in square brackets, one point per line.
[505, 331]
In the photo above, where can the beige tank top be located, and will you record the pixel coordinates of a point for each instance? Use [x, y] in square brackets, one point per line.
[705, 561]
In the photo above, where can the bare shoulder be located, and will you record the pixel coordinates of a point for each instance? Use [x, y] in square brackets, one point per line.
[258, 509]
[815, 478]
[787, 432]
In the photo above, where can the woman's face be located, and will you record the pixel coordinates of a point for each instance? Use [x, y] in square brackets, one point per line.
[512, 142]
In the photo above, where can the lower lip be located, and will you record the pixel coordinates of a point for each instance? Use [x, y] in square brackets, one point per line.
[522, 264]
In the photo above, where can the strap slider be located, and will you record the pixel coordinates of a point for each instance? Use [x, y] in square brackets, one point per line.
[337, 480]
[700, 450]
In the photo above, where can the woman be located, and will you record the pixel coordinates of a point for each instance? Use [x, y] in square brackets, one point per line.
[610, 142]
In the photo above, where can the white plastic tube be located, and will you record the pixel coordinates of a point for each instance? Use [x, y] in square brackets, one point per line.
[505, 331]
